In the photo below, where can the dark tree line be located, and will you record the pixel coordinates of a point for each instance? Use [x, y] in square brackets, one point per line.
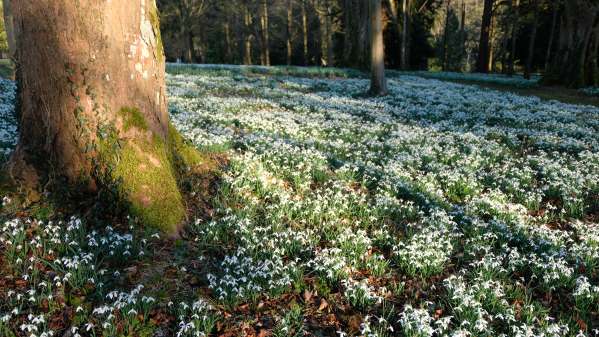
[556, 38]
[295, 32]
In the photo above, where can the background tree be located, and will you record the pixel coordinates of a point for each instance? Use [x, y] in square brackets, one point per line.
[484, 51]
[378, 83]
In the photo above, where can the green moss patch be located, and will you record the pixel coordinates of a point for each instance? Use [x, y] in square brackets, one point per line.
[187, 156]
[146, 175]
[132, 117]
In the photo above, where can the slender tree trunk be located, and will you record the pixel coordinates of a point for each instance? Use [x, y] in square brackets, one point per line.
[93, 103]
[329, 34]
[189, 47]
[556, 7]
[515, 4]
[484, 54]
[247, 20]
[531, 44]
[463, 35]
[378, 83]
[228, 42]
[394, 7]
[326, 36]
[405, 55]
[265, 33]
[289, 31]
[305, 31]
[348, 32]
[446, 36]
[363, 12]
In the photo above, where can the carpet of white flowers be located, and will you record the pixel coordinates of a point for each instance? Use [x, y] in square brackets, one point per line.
[439, 210]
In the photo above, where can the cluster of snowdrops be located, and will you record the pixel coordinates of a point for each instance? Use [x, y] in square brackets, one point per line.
[439, 210]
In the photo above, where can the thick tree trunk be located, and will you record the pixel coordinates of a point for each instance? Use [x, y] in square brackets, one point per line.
[93, 103]
[305, 31]
[289, 31]
[531, 44]
[405, 36]
[378, 83]
[484, 54]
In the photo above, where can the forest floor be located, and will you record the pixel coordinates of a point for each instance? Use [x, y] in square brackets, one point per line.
[442, 209]
[557, 93]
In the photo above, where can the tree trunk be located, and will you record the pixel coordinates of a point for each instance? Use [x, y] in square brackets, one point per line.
[265, 33]
[515, 7]
[326, 36]
[305, 31]
[394, 7]
[378, 83]
[289, 31]
[446, 36]
[189, 48]
[363, 43]
[531, 44]
[484, 54]
[463, 35]
[93, 104]
[228, 42]
[247, 20]
[405, 54]
[348, 32]
[329, 35]
[556, 7]
[571, 64]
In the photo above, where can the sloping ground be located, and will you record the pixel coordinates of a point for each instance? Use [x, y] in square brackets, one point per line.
[441, 209]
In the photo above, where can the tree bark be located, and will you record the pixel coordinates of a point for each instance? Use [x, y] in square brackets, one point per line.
[463, 35]
[93, 104]
[289, 31]
[531, 44]
[556, 7]
[515, 7]
[405, 36]
[363, 14]
[189, 47]
[305, 31]
[484, 54]
[326, 35]
[265, 33]
[378, 83]
[247, 20]
[571, 64]
[446, 36]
